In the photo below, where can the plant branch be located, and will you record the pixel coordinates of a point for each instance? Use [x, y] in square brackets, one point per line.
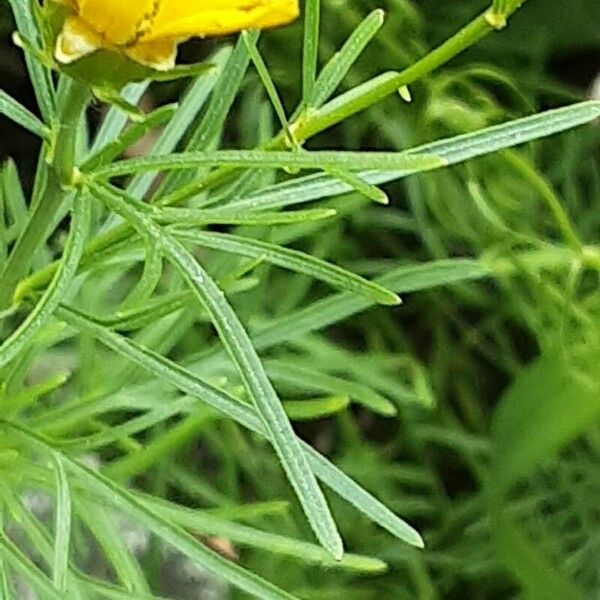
[371, 92]
[73, 103]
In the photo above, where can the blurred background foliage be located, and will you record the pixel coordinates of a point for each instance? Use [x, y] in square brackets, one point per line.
[471, 367]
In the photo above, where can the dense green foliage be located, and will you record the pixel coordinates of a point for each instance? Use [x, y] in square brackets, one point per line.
[159, 334]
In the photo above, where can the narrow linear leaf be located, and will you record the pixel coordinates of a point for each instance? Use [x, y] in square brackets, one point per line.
[236, 341]
[148, 282]
[293, 260]
[412, 162]
[30, 572]
[10, 108]
[190, 384]
[101, 524]
[127, 428]
[452, 150]
[14, 199]
[115, 119]
[62, 528]
[189, 217]
[340, 63]
[269, 85]
[122, 499]
[129, 137]
[225, 85]
[360, 185]
[41, 78]
[310, 48]
[304, 377]
[513, 133]
[63, 278]
[307, 410]
[206, 523]
[336, 308]
[192, 103]
[423, 158]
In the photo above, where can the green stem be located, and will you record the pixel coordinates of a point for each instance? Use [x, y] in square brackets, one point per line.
[346, 105]
[73, 102]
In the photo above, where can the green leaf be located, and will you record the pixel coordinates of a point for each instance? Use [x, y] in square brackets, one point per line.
[128, 428]
[192, 103]
[238, 345]
[226, 86]
[513, 133]
[451, 151]
[360, 185]
[30, 572]
[115, 119]
[191, 218]
[336, 308]
[267, 81]
[62, 528]
[67, 270]
[340, 63]
[148, 282]
[129, 137]
[14, 199]
[208, 524]
[10, 108]
[41, 78]
[293, 260]
[540, 578]
[100, 522]
[319, 408]
[413, 162]
[310, 51]
[104, 488]
[302, 376]
[188, 383]
[549, 404]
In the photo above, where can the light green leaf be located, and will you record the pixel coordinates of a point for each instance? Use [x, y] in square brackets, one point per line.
[549, 404]
[10, 108]
[62, 528]
[190, 384]
[67, 270]
[238, 345]
[293, 260]
[104, 488]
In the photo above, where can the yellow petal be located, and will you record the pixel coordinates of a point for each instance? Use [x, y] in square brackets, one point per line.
[198, 18]
[119, 22]
[159, 54]
[75, 41]
[148, 31]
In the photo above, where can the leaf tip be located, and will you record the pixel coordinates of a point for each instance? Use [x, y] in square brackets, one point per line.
[337, 550]
[389, 410]
[382, 198]
[405, 94]
[391, 299]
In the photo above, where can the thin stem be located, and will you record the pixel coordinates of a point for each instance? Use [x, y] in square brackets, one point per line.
[73, 102]
[540, 185]
[346, 105]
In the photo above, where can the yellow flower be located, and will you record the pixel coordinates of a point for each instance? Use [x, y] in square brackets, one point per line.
[148, 31]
